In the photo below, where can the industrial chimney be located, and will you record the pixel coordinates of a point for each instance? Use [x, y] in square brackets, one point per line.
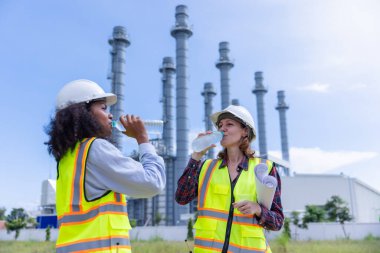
[119, 43]
[181, 32]
[224, 64]
[259, 90]
[168, 71]
[282, 107]
[235, 101]
[208, 93]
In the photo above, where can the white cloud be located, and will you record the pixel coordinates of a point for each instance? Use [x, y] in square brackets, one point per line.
[357, 86]
[359, 165]
[341, 87]
[316, 87]
[348, 29]
[316, 160]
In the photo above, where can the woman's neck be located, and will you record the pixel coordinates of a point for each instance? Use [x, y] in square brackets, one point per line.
[234, 155]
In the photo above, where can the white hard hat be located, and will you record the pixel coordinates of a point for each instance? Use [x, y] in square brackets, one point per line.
[241, 113]
[82, 90]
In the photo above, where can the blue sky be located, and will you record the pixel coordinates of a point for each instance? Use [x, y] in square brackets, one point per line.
[324, 54]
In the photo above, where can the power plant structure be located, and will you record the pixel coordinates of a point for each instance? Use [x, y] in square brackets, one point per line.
[181, 32]
[224, 64]
[235, 101]
[208, 93]
[163, 209]
[282, 107]
[260, 91]
[119, 43]
[174, 148]
[168, 71]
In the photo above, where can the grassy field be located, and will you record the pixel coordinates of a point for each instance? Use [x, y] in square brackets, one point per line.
[158, 246]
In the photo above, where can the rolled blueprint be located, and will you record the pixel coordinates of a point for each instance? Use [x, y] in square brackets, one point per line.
[265, 185]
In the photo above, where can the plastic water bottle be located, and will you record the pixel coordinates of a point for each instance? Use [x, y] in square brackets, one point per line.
[202, 142]
[153, 126]
[117, 124]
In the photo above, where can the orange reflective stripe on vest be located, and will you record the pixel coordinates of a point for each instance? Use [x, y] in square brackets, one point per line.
[216, 246]
[100, 225]
[96, 244]
[223, 215]
[89, 215]
[214, 202]
[204, 183]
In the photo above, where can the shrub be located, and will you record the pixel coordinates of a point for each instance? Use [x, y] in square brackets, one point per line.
[47, 236]
[190, 234]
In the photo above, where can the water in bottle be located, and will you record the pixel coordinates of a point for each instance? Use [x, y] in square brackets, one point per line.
[202, 142]
[117, 124]
[154, 127]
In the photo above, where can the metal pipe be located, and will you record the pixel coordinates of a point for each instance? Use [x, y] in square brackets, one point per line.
[168, 71]
[224, 64]
[208, 94]
[181, 32]
[259, 90]
[282, 107]
[235, 101]
[119, 43]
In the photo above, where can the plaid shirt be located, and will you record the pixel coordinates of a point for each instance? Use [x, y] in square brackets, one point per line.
[187, 190]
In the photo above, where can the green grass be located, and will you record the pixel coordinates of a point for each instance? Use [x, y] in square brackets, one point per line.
[160, 246]
[26, 247]
[339, 246]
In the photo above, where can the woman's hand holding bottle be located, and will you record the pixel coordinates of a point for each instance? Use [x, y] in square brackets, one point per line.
[204, 142]
[134, 128]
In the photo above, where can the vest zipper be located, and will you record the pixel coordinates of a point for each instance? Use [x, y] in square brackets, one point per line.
[230, 216]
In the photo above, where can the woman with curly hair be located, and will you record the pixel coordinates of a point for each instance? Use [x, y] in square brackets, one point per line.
[229, 219]
[93, 176]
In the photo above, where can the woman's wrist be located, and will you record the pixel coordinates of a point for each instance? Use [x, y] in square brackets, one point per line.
[196, 156]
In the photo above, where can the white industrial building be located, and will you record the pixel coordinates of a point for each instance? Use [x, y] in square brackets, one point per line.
[48, 196]
[297, 191]
[316, 189]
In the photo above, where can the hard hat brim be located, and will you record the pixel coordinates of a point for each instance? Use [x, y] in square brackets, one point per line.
[82, 91]
[111, 98]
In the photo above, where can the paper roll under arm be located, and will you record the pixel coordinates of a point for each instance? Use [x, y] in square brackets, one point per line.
[270, 182]
[265, 185]
[261, 170]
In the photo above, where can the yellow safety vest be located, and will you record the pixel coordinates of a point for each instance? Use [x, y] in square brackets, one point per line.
[214, 201]
[99, 225]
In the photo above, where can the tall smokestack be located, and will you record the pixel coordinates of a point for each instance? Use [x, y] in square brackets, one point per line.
[235, 101]
[282, 107]
[260, 91]
[119, 43]
[168, 71]
[181, 32]
[208, 93]
[224, 64]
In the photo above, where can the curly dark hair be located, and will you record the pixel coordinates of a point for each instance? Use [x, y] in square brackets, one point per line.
[69, 126]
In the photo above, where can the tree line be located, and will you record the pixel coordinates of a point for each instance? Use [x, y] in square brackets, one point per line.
[334, 210]
[17, 220]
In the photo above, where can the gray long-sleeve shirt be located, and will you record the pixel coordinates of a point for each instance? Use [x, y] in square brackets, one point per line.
[108, 169]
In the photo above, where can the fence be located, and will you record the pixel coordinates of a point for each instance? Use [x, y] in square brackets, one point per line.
[316, 231]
